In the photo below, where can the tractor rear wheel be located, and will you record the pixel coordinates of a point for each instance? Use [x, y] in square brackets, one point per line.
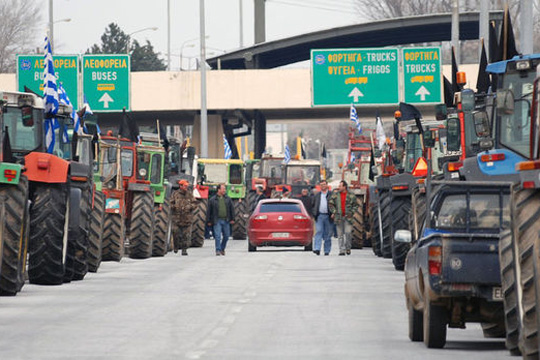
[141, 232]
[386, 215]
[528, 227]
[48, 233]
[162, 216]
[400, 209]
[375, 231]
[14, 227]
[95, 232]
[199, 223]
[80, 265]
[357, 235]
[509, 292]
[240, 219]
[417, 215]
[114, 234]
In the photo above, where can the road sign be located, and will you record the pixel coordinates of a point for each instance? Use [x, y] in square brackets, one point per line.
[422, 79]
[30, 73]
[357, 76]
[106, 82]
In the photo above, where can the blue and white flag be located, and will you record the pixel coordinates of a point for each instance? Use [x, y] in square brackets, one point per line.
[89, 111]
[354, 118]
[226, 148]
[353, 158]
[50, 97]
[64, 99]
[287, 154]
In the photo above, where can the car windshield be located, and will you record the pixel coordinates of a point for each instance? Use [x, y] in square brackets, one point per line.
[514, 129]
[280, 207]
[473, 211]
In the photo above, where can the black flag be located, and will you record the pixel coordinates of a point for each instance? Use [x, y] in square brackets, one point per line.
[507, 42]
[409, 112]
[163, 136]
[371, 165]
[128, 128]
[8, 155]
[482, 82]
[493, 43]
[448, 93]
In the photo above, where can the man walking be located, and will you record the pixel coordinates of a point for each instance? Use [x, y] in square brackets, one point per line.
[182, 206]
[323, 226]
[307, 201]
[220, 216]
[343, 205]
[259, 195]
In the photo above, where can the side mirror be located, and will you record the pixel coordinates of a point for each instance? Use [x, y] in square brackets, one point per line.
[27, 115]
[453, 134]
[505, 102]
[481, 123]
[403, 236]
[441, 112]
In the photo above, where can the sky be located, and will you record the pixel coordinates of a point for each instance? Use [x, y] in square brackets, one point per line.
[284, 18]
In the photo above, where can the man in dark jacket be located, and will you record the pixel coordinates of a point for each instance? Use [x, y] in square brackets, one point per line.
[259, 195]
[323, 224]
[183, 205]
[307, 201]
[220, 216]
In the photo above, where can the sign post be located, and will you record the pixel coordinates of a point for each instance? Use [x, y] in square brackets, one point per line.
[30, 74]
[106, 82]
[422, 79]
[355, 76]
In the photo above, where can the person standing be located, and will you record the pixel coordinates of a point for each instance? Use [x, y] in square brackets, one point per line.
[220, 216]
[183, 205]
[259, 195]
[323, 225]
[343, 205]
[307, 201]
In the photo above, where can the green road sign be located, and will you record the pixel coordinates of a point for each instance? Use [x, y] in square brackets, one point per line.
[354, 76]
[422, 79]
[106, 82]
[30, 73]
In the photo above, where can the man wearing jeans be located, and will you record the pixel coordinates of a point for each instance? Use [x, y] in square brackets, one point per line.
[220, 216]
[323, 226]
[343, 205]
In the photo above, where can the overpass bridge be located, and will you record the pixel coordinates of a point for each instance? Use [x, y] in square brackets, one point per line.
[248, 88]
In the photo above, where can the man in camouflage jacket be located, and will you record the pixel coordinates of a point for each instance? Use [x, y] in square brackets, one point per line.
[342, 206]
[182, 206]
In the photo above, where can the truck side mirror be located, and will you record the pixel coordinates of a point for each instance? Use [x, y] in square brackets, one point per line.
[453, 134]
[441, 112]
[481, 123]
[505, 102]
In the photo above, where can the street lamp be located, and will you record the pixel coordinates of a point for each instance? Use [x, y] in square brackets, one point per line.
[190, 45]
[51, 29]
[153, 28]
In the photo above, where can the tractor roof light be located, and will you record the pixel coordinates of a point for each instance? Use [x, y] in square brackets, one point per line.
[523, 65]
[461, 78]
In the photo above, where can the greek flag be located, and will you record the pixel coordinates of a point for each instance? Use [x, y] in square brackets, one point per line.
[381, 136]
[287, 154]
[353, 158]
[50, 96]
[226, 148]
[354, 118]
[89, 112]
[64, 99]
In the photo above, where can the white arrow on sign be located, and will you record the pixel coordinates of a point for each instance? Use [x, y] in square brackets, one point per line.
[422, 92]
[106, 99]
[356, 94]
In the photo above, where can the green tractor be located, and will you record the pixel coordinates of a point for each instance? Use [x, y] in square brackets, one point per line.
[210, 173]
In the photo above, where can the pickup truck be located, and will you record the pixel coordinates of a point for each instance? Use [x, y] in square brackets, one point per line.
[452, 272]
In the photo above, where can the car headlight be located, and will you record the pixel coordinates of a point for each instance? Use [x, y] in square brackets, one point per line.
[142, 172]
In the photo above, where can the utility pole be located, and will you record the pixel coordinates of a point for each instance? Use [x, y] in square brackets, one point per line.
[455, 29]
[484, 26]
[526, 27]
[241, 24]
[260, 26]
[204, 113]
[51, 25]
[168, 35]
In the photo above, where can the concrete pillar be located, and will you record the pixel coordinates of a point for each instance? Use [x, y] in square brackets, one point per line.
[215, 136]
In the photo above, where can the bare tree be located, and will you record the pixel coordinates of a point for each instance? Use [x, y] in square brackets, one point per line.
[19, 19]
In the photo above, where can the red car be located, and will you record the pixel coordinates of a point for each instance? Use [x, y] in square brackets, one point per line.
[280, 222]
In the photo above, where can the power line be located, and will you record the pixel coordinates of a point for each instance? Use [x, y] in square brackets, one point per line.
[292, 3]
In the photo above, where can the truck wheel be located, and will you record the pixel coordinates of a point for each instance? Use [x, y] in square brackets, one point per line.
[14, 227]
[400, 209]
[251, 196]
[375, 234]
[162, 215]
[49, 214]
[435, 318]
[528, 227]
[141, 234]
[416, 323]
[309, 247]
[114, 234]
[240, 219]
[493, 330]
[417, 215]
[386, 224]
[509, 291]
[95, 232]
[357, 235]
[80, 236]
[199, 224]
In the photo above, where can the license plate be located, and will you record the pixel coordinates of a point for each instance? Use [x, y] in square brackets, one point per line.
[112, 204]
[497, 293]
[280, 235]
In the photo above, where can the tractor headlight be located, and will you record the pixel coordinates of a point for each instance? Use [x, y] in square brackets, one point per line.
[110, 185]
[142, 172]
